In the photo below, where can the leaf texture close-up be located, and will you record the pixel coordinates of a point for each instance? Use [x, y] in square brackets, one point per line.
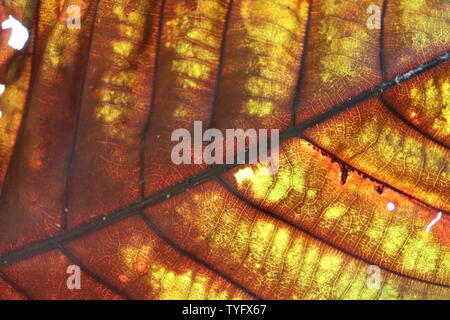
[360, 94]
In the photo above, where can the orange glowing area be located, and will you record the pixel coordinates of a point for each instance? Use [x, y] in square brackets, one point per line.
[141, 266]
[91, 105]
[123, 278]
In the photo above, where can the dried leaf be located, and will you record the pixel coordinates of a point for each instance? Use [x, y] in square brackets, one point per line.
[86, 177]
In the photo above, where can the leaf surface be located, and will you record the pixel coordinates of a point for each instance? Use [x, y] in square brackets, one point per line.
[86, 176]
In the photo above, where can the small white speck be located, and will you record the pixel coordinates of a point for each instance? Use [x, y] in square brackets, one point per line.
[104, 218]
[168, 196]
[432, 223]
[19, 34]
[390, 206]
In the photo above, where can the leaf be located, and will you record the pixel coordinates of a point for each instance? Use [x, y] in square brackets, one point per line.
[86, 177]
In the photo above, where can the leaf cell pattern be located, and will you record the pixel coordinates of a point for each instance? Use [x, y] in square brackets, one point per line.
[85, 171]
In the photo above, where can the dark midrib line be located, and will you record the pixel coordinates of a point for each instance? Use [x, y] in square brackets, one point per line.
[26, 109]
[15, 286]
[194, 258]
[79, 108]
[92, 274]
[318, 238]
[220, 66]
[119, 214]
[152, 102]
[297, 93]
[409, 124]
[383, 77]
[370, 177]
[396, 113]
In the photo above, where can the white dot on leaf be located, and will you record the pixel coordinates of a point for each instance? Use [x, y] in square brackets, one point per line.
[19, 34]
[390, 206]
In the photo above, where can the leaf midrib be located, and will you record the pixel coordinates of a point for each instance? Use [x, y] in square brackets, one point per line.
[112, 217]
[56, 241]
